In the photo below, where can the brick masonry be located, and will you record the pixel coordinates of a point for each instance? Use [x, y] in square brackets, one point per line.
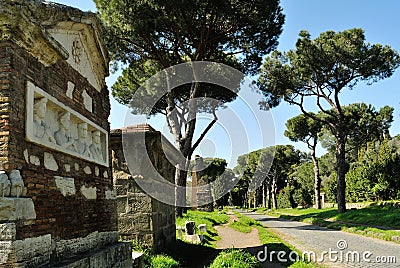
[69, 219]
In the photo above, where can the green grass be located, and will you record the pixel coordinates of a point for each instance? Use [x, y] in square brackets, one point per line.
[209, 218]
[163, 261]
[377, 221]
[235, 258]
[244, 224]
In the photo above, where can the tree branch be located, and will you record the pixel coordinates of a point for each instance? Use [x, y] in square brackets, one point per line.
[204, 133]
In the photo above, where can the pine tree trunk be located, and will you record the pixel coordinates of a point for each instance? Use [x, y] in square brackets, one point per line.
[341, 171]
[263, 194]
[180, 192]
[274, 192]
[269, 195]
[317, 179]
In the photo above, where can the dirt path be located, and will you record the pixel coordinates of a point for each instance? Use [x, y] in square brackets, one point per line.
[230, 238]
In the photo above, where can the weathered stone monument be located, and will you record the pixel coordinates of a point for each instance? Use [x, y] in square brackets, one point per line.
[201, 190]
[140, 216]
[57, 204]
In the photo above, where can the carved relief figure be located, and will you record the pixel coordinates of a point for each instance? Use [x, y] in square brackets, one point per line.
[81, 144]
[5, 185]
[17, 185]
[95, 147]
[40, 128]
[63, 135]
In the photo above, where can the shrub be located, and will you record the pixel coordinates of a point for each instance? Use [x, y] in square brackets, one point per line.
[163, 261]
[234, 258]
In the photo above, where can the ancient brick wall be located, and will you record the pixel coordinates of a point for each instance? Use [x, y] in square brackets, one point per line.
[141, 217]
[67, 204]
[78, 216]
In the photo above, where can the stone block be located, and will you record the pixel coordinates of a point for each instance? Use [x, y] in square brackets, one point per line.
[195, 239]
[12, 209]
[49, 162]
[203, 227]
[137, 259]
[190, 227]
[111, 194]
[32, 250]
[116, 255]
[7, 231]
[65, 185]
[89, 192]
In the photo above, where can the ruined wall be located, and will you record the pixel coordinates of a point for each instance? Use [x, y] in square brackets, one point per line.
[68, 204]
[141, 217]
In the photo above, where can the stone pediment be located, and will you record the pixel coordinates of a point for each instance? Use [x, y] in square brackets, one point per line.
[52, 32]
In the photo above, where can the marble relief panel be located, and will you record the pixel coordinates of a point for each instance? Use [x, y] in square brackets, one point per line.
[54, 125]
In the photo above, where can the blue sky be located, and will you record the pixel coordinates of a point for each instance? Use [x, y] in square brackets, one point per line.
[379, 19]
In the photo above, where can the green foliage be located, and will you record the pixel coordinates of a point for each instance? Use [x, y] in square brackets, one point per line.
[163, 261]
[363, 124]
[304, 185]
[235, 258]
[327, 164]
[271, 166]
[149, 36]
[285, 197]
[329, 63]
[215, 167]
[318, 70]
[191, 31]
[302, 128]
[376, 176]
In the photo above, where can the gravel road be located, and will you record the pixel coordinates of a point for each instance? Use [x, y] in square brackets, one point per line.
[342, 249]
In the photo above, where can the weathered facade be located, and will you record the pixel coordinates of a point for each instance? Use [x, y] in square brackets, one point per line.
[141, 217]
[54, 133]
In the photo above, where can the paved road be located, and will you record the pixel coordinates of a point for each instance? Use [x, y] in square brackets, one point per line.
[307, 237]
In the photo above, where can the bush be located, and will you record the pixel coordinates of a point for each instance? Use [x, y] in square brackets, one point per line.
[285, 198]
[234, 258]
[163, 261]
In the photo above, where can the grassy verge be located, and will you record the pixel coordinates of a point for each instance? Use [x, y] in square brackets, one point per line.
[269, 239]
[377, 221]
[244, 224]
[234, 258]
[210, 219]
[152, 260]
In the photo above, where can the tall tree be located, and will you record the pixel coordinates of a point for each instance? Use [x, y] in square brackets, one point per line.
[306, 129]
[320, 70]
[149, 36]
[363, 125]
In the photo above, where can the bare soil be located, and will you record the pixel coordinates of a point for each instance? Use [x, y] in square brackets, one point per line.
[230, 238]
